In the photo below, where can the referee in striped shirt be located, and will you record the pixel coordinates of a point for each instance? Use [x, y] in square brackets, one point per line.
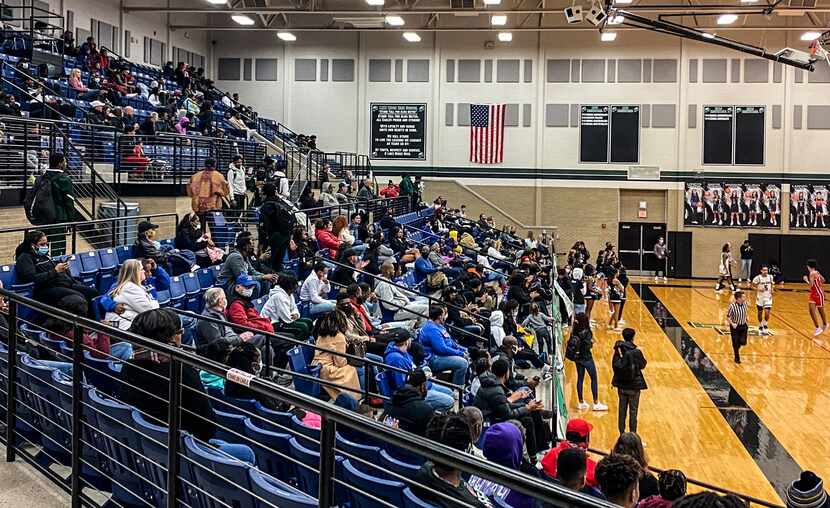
[736, 317]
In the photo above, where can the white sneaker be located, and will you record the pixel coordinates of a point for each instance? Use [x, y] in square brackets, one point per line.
[818, 331]
[599, 406]
[656, 279]
[583, 406]
[665, 279]
[621, 322]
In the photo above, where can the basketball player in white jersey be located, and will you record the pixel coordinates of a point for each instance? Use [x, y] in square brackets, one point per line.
[763, 284]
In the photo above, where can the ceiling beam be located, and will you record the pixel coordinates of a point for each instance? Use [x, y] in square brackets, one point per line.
[582, 28]
[694, 9]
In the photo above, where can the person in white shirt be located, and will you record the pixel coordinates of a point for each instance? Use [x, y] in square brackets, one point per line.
[490, 273]
[315, 290]
[130, 292]
[763, 284]
[236, 179]
[493, 252]
[395, 299]
[282, 310]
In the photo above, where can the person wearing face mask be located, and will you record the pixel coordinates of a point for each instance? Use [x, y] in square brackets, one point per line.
[242, 312]
[52, 280]
[247, 358]
[208, 332]
[237, 263]
[190, 236]
[142, 376]
[147, 246]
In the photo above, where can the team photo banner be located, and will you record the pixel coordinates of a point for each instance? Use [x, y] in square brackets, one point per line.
[808, 207]
[730, 204]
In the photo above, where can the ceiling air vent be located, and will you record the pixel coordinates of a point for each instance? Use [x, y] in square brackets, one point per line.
[462, 4]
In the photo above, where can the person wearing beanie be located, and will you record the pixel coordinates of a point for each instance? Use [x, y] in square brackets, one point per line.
[504, 445]
[807, 492]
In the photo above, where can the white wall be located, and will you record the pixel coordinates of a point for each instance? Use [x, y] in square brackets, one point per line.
[339, 112]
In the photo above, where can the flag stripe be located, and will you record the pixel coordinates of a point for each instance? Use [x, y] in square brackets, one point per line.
[487, 133]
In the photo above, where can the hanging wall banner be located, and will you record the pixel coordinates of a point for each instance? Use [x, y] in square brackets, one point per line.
[398, 131]
[730, 204]
[808, 207]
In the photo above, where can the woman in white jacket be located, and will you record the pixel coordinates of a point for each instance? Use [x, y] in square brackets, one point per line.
[130, 292]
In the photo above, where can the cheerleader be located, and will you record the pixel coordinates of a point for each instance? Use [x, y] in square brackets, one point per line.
[772, 205]
[734, 209]
[592, 293]
[820, 210]
[801, 211]
[615, 292]
[717, 204]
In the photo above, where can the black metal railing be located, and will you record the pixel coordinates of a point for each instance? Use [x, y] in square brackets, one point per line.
[80, 420]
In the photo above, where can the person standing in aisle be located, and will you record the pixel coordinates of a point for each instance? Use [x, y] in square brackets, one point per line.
[763, 284]
[736, 317]
[236, 179]
[661, 252]
[206, 189]
[725, 268]
[815, 280]
[746, 262]
[628, 364]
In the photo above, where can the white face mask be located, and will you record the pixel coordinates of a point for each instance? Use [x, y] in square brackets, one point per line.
[247, 292]
[157, 244]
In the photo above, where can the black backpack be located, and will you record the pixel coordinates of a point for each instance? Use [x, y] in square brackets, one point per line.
[623, 365]
[39, 203]
[572, 348]
[274, 218]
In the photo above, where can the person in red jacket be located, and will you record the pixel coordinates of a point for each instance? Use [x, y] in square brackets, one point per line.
[577, 435]
[241, 311]
[325, 238]
[390, 191]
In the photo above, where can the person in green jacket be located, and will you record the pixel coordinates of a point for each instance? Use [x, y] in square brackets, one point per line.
[63, 193]
[408, 188]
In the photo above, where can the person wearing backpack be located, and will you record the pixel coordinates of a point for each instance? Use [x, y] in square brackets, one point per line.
[275, 225]
[628, 364]
[51, 200]
[578, 350]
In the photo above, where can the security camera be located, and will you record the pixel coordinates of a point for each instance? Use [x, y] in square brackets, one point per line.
[574, 14]
[596, 15]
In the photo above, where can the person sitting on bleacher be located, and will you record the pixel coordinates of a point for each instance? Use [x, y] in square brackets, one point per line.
[97, 115]
[426, 271]
[247, 358]
[130, 291]
[98, 344]
[238, 263]
[397, 242]
[86, 47]
[397, 355]
[327, 197]
[325, 238]
[409, 406]
[330, 333]
[396, 300]
[443, 351]
[315, 290]
[218, 351]
[52, 280]
[77, 84]
[346, 274]
[190, 236]
[241, 311]
[282, 310]
[216, 304]
[140, 378]
[146, 246]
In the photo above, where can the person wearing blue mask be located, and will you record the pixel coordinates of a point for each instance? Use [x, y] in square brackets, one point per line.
[52, 280]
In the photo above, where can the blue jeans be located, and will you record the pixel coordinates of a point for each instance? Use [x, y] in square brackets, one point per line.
[188, 329]
[238, 451]
[122, 350]
[579, 308]
[496, 276]
[440, 398]
[581, 368]
[361, 370]
[457, 364]
[322, 308]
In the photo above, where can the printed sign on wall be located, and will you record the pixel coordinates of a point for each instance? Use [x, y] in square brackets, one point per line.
[808, 206]
[729, 204]
[398, 131]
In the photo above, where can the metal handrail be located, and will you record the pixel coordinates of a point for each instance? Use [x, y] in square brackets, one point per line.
[331, 416]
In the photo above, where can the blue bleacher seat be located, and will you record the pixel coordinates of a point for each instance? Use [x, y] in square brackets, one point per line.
[193, 292]
[259, 303]
[90, 266]
[98, 311]
[272, 450]
[230, 426]
[7, 275]
[308, 478]
[100, 373]
[163, 298]
[41, 397]
[221, 477]
[274, 421]
[124, 253]
[500, 502]
[276, 493]
[386, 490]
[177, 292]
[206, 278]
[391, 464]
[309, 437]
[109, 269]
[370, 454]
[410, 500]
[298, 364]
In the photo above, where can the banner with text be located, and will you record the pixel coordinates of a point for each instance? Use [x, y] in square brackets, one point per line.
[398, 131]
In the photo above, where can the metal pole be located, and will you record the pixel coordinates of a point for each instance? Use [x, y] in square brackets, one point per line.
[77, 395]
[75, 238]
[326, 488]
[11, 396]
[268, 358]
[174, 424]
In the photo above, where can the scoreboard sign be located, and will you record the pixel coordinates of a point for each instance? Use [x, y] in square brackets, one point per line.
[398, 131]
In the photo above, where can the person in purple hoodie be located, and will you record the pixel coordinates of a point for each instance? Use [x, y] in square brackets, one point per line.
[504, 445]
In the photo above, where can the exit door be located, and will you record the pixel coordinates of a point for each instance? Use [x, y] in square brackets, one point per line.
[636, 246]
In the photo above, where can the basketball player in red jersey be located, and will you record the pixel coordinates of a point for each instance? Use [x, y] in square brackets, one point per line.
[816, 299]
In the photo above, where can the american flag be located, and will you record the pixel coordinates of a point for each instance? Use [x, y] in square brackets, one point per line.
[487, 133]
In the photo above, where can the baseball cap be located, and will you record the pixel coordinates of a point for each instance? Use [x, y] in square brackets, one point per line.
[145, 226]
[96, 104]
[579, 426]
[245, 280]
[349, 253]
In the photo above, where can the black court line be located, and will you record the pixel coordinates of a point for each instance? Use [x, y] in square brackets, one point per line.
[774, 461]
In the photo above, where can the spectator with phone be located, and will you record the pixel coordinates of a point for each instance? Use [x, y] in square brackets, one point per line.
[52, 280]
[409, 405]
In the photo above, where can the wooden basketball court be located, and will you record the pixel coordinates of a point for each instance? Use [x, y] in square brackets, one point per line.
[751, 427]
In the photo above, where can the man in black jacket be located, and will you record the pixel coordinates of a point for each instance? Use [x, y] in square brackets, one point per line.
[409, 405]
[498, 404]
[628, 365]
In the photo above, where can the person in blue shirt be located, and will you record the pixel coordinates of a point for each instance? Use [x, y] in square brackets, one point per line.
[440, 398]
[424, 268]
[442, 351]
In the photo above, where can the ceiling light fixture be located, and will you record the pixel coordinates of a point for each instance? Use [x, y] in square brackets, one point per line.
[505, 36]
[810, 36]
[394, 20]
[727, 19]
[498, 20]
[286, 36]
[217, 2]
[492, 2]
[375, 2]
[624, 2]
[412, 37]
[608, 36]
[242, 19]
[708, 35]
[616, 20]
